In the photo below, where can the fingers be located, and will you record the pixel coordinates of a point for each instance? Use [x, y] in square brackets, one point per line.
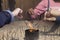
[55, 12]
[16, 11]
[51, 19]
[20, 17]
[45, 15]
[48, 13]
[31, 12]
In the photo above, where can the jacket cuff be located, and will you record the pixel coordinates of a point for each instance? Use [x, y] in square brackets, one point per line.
[12, 17]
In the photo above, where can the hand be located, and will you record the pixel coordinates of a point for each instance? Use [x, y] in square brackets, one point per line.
[18, 12]
[47, 15]
[31, 12]
[55, 12]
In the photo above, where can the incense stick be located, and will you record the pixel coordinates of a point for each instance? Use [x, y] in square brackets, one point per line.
[30, 26]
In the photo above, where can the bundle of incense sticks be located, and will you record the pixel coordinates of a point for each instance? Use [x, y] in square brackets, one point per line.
[30, 26]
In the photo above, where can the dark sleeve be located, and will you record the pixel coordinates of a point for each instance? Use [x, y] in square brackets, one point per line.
[58, 19]
[5, 18]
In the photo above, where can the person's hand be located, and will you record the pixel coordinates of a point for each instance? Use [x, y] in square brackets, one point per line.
[47, 14]
[51, 18]
[18, 12]
[31, 12]
[20, 15]
[55, 12]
